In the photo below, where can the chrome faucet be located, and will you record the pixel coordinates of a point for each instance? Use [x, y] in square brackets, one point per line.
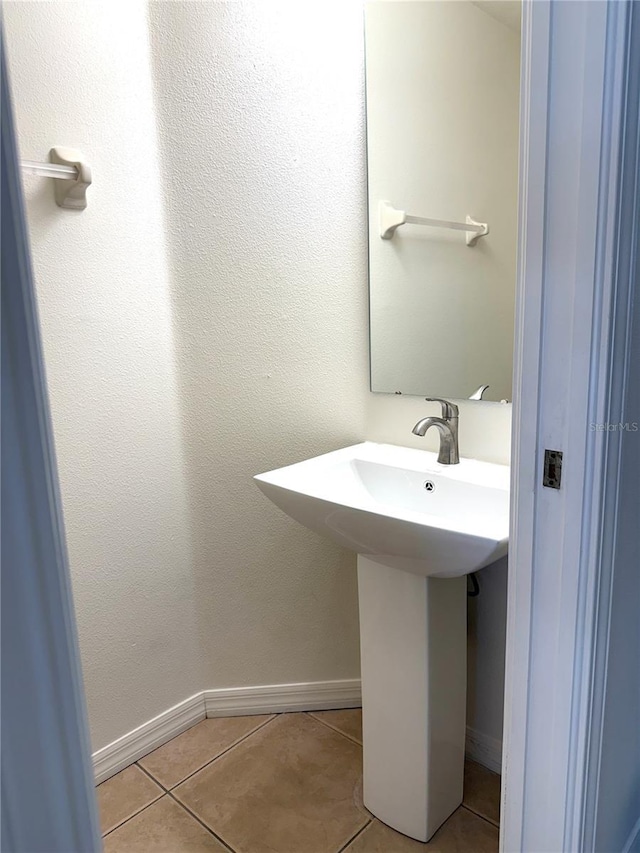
[447, 426]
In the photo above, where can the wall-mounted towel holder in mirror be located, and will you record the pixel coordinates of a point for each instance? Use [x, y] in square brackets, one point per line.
[391, 218]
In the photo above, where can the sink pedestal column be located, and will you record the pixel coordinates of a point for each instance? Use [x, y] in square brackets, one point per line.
[413, 639]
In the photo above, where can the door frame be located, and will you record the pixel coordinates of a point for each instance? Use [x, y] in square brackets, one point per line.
[569, 363]
[48, 795]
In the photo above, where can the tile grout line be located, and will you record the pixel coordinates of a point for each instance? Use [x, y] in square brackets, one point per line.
[200, 821]
[146, 772]
[206, 764]
[481, 816]
[167, 792]
[333, 728]
[135, 814]
[357, 835]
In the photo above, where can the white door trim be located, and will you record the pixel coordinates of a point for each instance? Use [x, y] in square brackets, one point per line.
[533, 158]
[572, 109]
[618, 376]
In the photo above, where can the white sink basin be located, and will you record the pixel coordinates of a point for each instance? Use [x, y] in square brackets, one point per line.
[399, 507]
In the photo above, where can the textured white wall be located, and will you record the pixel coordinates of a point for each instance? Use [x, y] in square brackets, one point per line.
[201, 325]
[262, 140]
[81, 78]
[184, 575]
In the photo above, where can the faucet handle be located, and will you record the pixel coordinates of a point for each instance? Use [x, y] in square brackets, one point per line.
[477, 395]
[449, 410]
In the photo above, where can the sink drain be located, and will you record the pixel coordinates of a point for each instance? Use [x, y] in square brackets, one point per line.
[429, 485]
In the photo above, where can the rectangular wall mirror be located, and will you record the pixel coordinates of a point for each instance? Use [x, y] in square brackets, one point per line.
[442, 84]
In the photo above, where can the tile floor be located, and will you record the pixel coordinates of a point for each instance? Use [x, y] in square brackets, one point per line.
[284, 783]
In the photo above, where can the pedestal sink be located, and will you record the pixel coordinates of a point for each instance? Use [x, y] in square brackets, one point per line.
[418, 528]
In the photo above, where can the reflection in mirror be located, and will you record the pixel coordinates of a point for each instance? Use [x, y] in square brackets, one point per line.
[442, 137]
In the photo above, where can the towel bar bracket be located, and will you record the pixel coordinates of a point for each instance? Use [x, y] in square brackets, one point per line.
[71, 173]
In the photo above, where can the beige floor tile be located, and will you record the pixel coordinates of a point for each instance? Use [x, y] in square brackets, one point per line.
[462, 833]
[292, 787]
[199, 745]
[123, 795]
[348, 721]
[482, 791]
[164, 827]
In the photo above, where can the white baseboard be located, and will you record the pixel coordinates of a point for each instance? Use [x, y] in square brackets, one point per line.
[242, 701]
[147, 737]
[484, 749]
[278, 698]
[238, 701]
